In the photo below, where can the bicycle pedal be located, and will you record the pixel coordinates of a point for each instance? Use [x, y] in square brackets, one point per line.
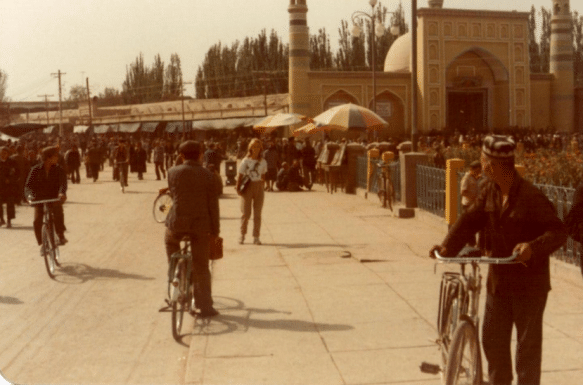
[428, 368]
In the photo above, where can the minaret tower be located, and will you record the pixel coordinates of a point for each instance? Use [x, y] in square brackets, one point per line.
[561, 66]
[299, 57]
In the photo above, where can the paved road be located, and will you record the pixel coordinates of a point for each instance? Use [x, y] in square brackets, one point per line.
[340, 293]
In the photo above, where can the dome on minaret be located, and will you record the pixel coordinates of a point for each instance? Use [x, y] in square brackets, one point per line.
[399, 56]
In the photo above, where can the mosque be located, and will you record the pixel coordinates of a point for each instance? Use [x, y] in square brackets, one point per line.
[473, 73]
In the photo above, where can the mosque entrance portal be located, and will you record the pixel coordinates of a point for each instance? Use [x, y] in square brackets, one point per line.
[467, 110]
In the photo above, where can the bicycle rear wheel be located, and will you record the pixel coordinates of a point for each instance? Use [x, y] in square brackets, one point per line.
[48, 251]
[162, 206]
[56, 254]
[179, 299]
[464, 363]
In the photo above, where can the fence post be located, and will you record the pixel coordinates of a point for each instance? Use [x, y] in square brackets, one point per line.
[388, 156]
[453, 166]
[373, 155]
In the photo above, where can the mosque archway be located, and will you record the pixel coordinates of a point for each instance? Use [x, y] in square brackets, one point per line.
[477, 90]
[392, 109]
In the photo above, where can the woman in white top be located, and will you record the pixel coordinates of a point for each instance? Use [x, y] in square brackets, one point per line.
[255, 167]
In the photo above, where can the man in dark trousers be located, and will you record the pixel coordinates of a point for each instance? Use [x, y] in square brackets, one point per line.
[48, 180]
[195, 213]
[8, 186]
[517, 218]
[73, 161]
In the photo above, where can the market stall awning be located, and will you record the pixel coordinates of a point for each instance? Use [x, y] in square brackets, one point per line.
[80, 129]
[50, 130]
[224, 124]
[150, 126]
[101, 129]
[19, 129]
[129, 127]
[173, 127]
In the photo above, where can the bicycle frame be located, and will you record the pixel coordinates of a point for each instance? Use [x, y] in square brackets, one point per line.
[50, 247]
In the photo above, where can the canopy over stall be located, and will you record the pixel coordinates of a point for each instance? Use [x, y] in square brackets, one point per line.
[17, 130]
[129, 127]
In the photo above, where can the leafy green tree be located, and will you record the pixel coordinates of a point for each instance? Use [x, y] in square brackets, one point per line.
[578, 47]
[533, 45]
[545, 41]
[156, 78]
[321, 57]
[3, 86]
[109, 97]
[173, 78]
[77, 93]
[135, 85]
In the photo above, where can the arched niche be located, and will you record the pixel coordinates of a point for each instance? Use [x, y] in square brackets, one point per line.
[337, 98]
[391, 108]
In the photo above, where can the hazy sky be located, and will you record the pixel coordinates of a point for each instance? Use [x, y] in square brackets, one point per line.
[99, 38]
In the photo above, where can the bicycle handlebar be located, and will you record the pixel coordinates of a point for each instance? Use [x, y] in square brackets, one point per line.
[44, 201]
[481, 260]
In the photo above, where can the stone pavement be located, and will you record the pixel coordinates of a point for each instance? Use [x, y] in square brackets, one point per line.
[340, 292]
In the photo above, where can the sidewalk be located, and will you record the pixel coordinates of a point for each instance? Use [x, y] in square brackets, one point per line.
[342, 292]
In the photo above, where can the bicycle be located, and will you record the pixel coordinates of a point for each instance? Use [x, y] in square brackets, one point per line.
[458, 320]
[162, 205]
[180, 286]
[386, 191]
[50, 248]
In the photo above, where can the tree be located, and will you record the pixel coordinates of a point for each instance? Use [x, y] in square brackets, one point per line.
[533, 46]
[135, 84]
[156, 77]
[545, 41]
[320, 53]
[244, 69]
[3, 86]
[77, 93]
[173, 79]
[109, 97]
[578, 47]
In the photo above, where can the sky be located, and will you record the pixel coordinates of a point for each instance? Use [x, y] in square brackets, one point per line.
[98, 39]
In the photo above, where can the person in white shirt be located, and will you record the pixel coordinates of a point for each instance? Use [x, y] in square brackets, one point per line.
[255, 167]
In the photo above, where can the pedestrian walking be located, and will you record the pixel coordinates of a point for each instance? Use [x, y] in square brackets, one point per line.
[271, 156]
[517, 218]
[140, 157]
[73, 161]
[8, 186]
[253, 166]
[93, 160]
[159, 159]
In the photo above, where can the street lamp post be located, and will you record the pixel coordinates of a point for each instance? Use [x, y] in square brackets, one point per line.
[378, 31]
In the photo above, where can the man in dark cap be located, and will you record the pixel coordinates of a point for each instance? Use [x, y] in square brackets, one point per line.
[194, 213]
[48, 180]
[516, 218]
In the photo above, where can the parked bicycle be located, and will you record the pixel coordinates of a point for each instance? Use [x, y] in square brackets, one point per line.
[386, 191]
[458, 320]
[162, 205]
[180, 286]
[50, 247]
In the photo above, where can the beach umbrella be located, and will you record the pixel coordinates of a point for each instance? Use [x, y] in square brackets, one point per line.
[310, 128]
[271, 122]
[350, 116]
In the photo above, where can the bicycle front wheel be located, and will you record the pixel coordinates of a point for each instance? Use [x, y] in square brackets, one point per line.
[48, 251]
[464, 364]
[179, 299]
[162, 206]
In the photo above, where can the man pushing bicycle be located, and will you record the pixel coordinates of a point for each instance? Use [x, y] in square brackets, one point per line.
[48, 180]
[516, 218]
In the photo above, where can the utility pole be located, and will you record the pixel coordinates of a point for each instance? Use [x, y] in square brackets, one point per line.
[89, 104]
[182, 99]
[46, 105]
[58, 74]
[264, 77]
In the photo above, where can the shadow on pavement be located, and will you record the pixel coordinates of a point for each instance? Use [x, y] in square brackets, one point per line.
[304, 245]
[75, 273]
[16, 227]
[228, 323]
[10, 300]
[82, 203]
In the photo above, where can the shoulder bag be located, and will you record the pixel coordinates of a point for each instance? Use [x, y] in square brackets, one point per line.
[246, 181]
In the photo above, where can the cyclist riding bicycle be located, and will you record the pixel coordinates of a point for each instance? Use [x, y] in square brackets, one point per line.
[48, 180]
[194, 213]
[517, 218]
[121, 157]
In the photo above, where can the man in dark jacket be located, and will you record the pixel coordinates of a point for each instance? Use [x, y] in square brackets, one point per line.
[73, 161]
[140, 157]
[517, 218]
[94, 160]
[194, 213]
[8, 186]
[48, 180]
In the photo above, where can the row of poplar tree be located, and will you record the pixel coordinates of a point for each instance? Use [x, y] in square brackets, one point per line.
[259, 65]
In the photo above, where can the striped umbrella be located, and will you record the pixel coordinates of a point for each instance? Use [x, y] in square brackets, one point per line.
[309, 129]
[350, 116]
[271, 122]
